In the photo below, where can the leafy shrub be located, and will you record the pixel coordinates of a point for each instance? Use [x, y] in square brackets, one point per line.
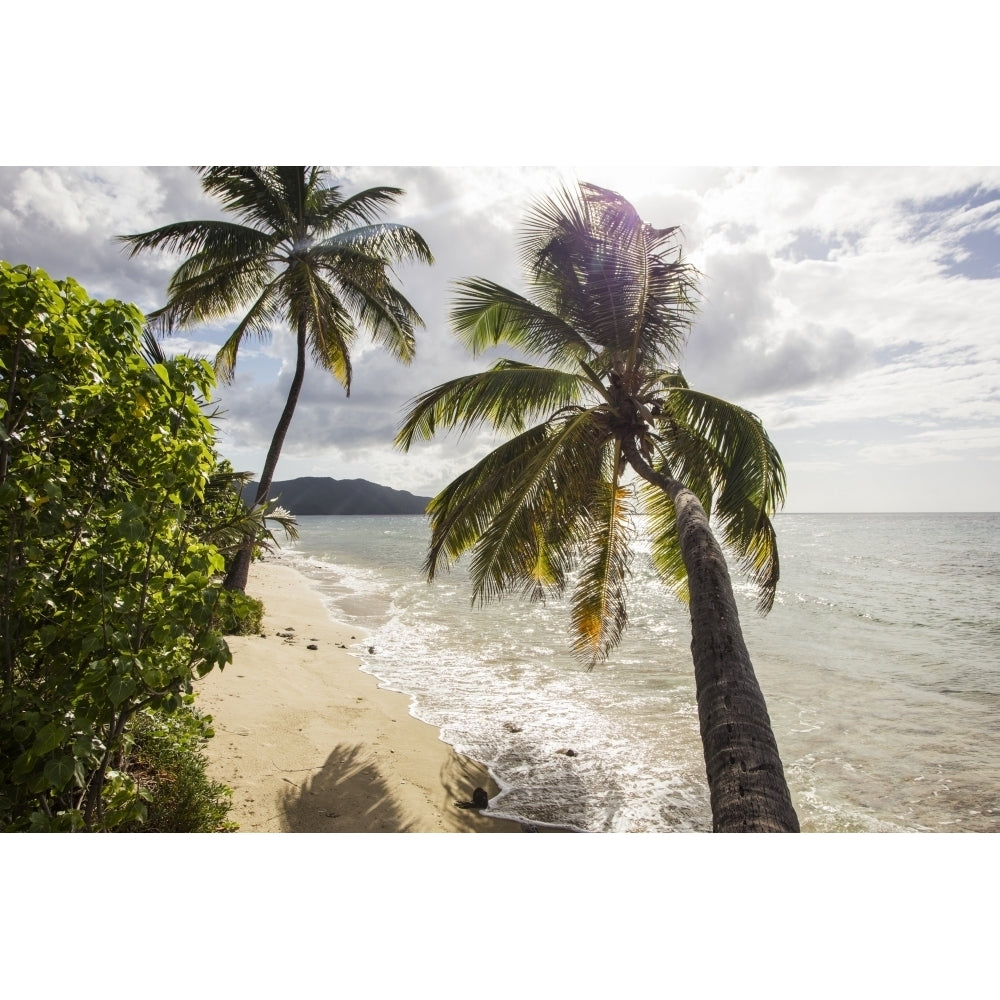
[166, 761]
[237, 613]
[107, 597]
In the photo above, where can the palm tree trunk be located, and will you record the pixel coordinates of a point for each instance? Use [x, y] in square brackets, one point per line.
[746, 779]
[239, 569]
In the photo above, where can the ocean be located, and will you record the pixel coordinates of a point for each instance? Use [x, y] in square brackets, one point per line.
[880, 665]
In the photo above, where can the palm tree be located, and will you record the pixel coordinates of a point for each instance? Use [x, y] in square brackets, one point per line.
[605, 422]
[300, 254]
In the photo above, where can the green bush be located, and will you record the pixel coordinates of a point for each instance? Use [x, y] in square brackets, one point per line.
[237, 613]
[166, 762]
[106, 595]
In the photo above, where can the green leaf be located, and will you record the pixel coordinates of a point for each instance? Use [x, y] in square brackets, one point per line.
[60, 771]
[48, 738]
[120, 688]
[131, 525]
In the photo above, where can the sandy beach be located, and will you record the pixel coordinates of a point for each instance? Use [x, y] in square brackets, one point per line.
[311, 744]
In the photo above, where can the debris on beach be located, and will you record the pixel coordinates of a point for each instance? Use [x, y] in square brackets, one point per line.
[480, 800]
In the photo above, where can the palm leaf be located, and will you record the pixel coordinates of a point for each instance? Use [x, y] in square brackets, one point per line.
[524, 495]
[253, 194]
[485, 315]
[599, 610]
[380, 243]
[217, 239]
[538, 506]
[748, 476]
[463, 510]
[615, 279]
[364, 207]
[507, 397]
[210, 285]
[380, 309]
[330, 327]
[665, 545]
[257, 321]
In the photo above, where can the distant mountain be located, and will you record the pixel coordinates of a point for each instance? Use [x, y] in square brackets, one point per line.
[323, 495]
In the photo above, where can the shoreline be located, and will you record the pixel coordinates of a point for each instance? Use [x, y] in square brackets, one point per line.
[310, 743]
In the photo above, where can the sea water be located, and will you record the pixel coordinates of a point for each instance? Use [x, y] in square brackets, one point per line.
[880, 665]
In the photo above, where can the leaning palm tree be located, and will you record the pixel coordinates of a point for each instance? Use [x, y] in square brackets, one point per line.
[302, 255]
[604, 426]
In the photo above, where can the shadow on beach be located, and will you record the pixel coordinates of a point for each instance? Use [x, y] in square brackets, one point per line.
[351, 793]
[348, 794]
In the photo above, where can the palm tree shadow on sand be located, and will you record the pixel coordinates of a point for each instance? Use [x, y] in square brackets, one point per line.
[350, 793]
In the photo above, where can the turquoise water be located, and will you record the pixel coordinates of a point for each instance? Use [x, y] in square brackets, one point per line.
[880, 664]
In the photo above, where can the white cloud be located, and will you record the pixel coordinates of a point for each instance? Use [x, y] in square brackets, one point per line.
[832, 307]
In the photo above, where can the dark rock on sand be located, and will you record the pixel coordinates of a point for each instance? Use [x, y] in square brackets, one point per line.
[480, 800]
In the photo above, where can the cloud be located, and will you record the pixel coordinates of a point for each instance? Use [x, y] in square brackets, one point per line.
[749, 339]
[854, 309]
[64, 220]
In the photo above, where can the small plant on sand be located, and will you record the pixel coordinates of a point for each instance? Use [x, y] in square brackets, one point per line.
[165, 760]
[237, 613]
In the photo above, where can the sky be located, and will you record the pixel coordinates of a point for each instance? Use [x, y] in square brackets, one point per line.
[855, 310]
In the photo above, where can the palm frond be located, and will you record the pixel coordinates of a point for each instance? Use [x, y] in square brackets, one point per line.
[507, 397]
[544, 492]
[222, 519]
[380, 308]
[748, 477]
[257, 321]
[463, 510]
[332, 331]
[526, 493]
[599, 612]
[362, 208]
[665, 546]
[294, 184]
[254, 194]
[202, 294]
[217, 239]
[276, 517]
[383, 244]
[485, 314]
[257, 525]
[151, 349]
[618, 281]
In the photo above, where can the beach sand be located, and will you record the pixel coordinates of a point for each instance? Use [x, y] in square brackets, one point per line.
[309, 743]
